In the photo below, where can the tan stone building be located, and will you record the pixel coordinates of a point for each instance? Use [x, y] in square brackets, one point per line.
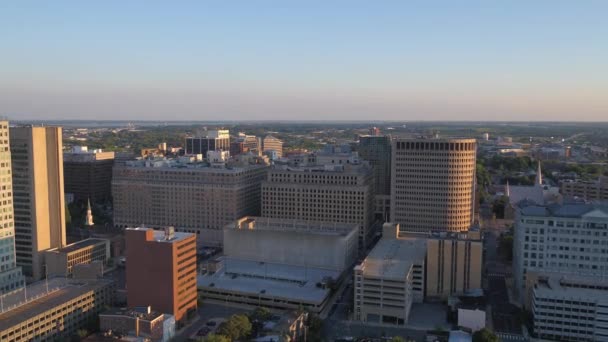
[271, 143]
[454, 264]
[192, 197]
[331, 193]
[38, 192]
[61, 261]
[433, 184]
[161, 270]
[390, 279]
[55, 314]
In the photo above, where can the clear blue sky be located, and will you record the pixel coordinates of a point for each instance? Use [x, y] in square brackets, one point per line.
[363, 60]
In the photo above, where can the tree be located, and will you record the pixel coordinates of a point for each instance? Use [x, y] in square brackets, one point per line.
[214, 338]
[397, 339]
[315, 325]
[237, 327]
[485, 335]
[261, 314]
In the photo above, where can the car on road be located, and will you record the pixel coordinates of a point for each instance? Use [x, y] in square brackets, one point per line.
[204, 331]
[211, 323]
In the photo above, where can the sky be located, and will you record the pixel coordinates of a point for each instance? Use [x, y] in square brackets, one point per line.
[541, 60]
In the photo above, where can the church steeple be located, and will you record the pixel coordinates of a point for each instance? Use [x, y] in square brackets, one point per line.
[539, 175]
[507, 189]
[89, 220]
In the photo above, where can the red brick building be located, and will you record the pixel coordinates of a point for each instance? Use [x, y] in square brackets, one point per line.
[161, 270]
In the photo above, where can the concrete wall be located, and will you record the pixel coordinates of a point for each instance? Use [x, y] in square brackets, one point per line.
[289, 247]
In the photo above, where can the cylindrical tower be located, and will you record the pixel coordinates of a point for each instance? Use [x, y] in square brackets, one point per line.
[433, 184]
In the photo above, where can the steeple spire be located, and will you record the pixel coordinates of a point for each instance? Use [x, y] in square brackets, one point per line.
[539, 175]
[89, 220]
[507, 189]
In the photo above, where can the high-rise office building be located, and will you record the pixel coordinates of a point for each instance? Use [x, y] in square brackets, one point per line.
[167, 260]
[191, 196]
[208, 141]
[88, 174]
[271, 143]
[331, 193]
[37, 166]
[10, 274]
[433, 184]
[376, 150]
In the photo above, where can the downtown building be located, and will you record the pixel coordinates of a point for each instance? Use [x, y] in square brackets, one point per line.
[53, 310]
[284, 264]
[192, 196]
[38, 195]
[376, 149]
[161, 270]
[405, 268]
[596, 190]
[433, 184]
[342, 193]
[11, 277]
[561, 239]
[271, 143]
[88, 174]
[208, 141]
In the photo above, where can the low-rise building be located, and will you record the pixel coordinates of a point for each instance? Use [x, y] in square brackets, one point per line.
[570, 308]
[589, 190]
[53, 310]
[139, 322]
[280, 264]
[390, 279]
[60, 261]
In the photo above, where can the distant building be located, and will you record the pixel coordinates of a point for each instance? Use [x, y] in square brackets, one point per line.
[271, 143]
[60, 261]
[390, 279]
[377, 151]
[433, 183]
[38, 194]
[568, 239]
[53, 311]
[280, 263]
[88, 174]
[208, 141]
[330, 193]
[139, 322]
[168, 261]
[190, 195]
[374, 131]
[245, 143]
[11, 277]
[589, 190]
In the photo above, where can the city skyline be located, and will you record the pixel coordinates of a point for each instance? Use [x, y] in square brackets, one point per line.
[541, 61]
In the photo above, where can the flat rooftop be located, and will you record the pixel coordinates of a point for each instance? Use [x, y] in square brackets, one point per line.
[19, 306]
[274, 280]
[393, 258]
[159, 235]
[291, 225]
[573, 286]
[132, 312]
[79, 245]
